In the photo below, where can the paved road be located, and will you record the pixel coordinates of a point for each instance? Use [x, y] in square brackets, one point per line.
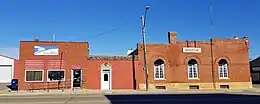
[256, 85]
[133, 99]
[3, 86]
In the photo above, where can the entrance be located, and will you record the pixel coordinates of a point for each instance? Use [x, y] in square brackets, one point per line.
[105, 80]
[76, 78]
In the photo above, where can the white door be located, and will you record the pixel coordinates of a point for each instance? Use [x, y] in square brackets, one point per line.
[105, 80]
[5, 74]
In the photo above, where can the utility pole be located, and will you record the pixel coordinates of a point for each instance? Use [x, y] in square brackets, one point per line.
[61, 55]
[211, 45]
[144, 47]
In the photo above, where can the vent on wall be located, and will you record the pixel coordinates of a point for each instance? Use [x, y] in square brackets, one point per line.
[194, 87]
[224, 86]
[160, 87]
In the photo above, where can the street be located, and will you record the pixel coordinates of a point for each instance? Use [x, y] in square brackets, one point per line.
[132, 99]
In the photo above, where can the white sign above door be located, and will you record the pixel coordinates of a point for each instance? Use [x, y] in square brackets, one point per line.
[191, 50]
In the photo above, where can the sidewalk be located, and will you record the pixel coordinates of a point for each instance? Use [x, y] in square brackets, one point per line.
[69, 91]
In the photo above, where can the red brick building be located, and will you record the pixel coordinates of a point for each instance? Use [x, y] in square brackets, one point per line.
[219, 63]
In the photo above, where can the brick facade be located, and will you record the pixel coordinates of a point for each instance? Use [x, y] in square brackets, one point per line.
[234, 51]
[127, 71]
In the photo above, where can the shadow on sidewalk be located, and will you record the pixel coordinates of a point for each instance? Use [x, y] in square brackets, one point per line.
[183, 99]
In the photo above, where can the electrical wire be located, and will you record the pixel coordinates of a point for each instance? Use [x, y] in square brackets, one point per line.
[109, 31]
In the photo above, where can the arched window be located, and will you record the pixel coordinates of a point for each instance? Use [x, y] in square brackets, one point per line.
[159, 69]
[223, 69]
[192, 69]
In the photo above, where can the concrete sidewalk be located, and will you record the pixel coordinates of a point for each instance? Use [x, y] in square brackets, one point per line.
[78, 91]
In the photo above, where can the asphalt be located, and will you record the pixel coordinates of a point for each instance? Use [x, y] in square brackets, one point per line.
[3, 86]
[133, 99]
[141, 98]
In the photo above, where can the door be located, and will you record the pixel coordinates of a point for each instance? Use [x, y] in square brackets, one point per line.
[76, 78]
[5, 73]
[105, 80]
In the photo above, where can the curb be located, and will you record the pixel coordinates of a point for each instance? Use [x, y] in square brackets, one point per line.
[130, 92]
[3, 95]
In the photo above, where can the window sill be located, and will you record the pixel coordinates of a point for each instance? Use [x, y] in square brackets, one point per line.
[224, 78]
[32, 81]
[193, 79]
[160, 79]
[56, 80]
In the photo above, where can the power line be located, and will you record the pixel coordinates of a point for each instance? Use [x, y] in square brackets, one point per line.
[109, 31]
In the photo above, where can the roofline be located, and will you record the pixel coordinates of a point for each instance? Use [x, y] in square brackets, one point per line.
[53, 42]
[8, 57]
[133, 52]
[254, 59]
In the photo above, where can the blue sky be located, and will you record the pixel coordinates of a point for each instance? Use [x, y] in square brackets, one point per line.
[83, 20]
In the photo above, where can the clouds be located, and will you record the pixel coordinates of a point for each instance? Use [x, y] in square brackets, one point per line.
[10, 52]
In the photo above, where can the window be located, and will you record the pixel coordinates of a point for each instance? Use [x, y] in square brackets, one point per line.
[105, 77]
[33, 75]
[160, 87]
[159, 69]
[192, 69]
[223, 69]
[56, 75]
[194, 87]
[224, 86]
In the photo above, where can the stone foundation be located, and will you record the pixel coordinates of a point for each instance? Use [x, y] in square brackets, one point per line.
[185, 86]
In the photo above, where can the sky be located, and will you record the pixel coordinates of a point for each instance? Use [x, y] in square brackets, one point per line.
[114, 26]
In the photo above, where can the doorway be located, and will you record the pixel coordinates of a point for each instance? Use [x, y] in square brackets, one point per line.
[76, 75]
[105, 80]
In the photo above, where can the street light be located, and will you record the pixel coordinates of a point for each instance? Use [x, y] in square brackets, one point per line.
[144, 47]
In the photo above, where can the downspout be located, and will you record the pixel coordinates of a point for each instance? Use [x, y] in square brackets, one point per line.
[134, 76]
[212, 64]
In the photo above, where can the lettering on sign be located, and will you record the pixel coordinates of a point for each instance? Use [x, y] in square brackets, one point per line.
[256, 68]
[191, 50]
[46, 50]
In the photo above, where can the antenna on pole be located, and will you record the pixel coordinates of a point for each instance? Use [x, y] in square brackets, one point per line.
[211, 21]
[53, 37]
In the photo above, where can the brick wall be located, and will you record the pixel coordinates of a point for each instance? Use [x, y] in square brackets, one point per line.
[73, 54]
[234, 51]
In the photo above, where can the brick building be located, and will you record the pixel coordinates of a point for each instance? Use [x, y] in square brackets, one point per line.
[219, 63]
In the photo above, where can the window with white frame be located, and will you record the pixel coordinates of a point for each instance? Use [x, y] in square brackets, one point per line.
[33, 75]
[56, 75]
[192, 69]
[223, 69]
[159, 69]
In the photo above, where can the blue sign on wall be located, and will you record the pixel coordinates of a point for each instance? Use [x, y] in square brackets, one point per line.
[46, 50]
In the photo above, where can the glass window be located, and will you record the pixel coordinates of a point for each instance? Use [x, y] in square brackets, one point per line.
[158, 69]
[223, 69]
[192, 69]
[34, 75]
[56, 75]
[105, 77]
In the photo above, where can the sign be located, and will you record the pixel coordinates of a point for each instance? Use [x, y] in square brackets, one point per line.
[46, 50]
[256, 68]
[191, 50]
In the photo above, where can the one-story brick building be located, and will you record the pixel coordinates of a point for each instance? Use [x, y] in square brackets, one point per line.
[218, 63]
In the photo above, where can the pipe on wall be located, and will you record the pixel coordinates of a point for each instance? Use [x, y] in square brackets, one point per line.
[212, 64]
